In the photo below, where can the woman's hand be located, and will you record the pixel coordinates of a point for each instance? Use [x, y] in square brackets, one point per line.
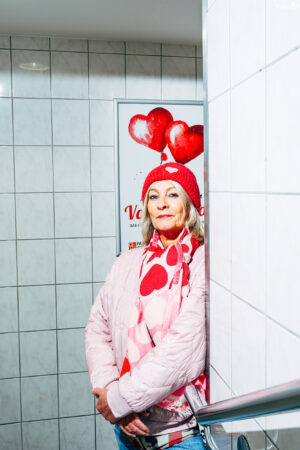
[102, 405]
[132, 425]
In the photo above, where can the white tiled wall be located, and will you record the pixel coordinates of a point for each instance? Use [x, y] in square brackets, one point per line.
[253, 71]
[56, 179]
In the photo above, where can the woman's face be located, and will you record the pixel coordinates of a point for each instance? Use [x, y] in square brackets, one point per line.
[165, 207]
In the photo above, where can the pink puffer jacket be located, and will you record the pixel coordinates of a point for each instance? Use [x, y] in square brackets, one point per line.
[173, 363]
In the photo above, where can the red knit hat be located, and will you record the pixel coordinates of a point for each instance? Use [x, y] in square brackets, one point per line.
[176, 172]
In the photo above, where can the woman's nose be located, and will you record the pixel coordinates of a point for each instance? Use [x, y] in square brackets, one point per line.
[162, 203]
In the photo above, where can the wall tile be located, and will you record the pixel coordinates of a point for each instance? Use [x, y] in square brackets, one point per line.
[282, 20]
[30, 82]
[8, 310]
[36, 262]
[7, 216]
[10, 397]
[283, 131]
[36, 392]
[10, 436]
[106, 46]
[40, 435]
[286, 436]
[32, 122]
[248, 135]
[33, 169]
[9, 355]
[283, 259]
[249, 248]
[280, 346]
[30, 42]
[6, 122]
[70, 122]
[34, 216]
[178, 50]
[71, 168]
[105, 436]
[143, 77]
[73, 260]
[199, 51]
[248, 348]
[75, 45]
[69, 75]
[142, 48]
[102, 169]
[101, 121]
[251, 430]
[6, 169]
[37, 308]
[178, 78]
[104, 254]
[103, 214]
[4, 42]
[5, 77]
[96, 288]
[71, 353]
[38, 353]
[247, 38]
[199, 80]
[107, 76]
[220, 331]
[8, 273]
[219, 143]
[218, 60]
[74, 302]
[75, 405]
[220, 437]
[77, 433]
[218, 389]
[77, 223]
[220, 224]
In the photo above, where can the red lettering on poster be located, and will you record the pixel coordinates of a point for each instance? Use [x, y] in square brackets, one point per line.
[130, 210]
[133, 212]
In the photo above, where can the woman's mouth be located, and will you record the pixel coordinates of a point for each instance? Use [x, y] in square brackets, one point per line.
[163, 216]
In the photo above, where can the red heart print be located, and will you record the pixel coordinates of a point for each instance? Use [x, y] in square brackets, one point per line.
[150, 130]
[185, 143]
[156, 278]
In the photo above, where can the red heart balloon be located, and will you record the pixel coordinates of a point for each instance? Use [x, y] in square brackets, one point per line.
[185, 143]
[150, 130]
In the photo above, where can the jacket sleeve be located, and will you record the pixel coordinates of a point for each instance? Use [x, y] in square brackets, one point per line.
[98, 345]
[177, 360]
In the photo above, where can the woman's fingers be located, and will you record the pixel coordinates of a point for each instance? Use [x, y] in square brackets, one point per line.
[126, 432]
[133, 425]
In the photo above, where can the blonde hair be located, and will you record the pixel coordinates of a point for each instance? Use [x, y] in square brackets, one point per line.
[192, 217]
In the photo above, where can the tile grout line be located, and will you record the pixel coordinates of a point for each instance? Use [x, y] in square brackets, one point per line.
[16, 247]
[257, 310]
[266, 221]
[257, 71]
[54, 243]
[91, 213]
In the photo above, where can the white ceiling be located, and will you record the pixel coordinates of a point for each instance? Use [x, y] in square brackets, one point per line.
[170, 21]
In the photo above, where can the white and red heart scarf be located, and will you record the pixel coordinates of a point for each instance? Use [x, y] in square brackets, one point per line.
[164, 282]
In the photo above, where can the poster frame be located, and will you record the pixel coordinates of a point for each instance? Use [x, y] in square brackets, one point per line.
[117, 103]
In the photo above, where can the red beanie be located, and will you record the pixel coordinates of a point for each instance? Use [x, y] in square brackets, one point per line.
[176, 172]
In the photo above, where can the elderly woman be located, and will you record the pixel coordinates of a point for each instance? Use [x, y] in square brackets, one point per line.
[145, 338]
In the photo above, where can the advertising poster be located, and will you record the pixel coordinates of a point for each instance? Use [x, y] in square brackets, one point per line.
[148, 134]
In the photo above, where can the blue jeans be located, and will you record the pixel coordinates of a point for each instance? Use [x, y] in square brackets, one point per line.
[194, 443]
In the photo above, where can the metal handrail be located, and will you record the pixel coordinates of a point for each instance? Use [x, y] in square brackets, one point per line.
[282, 398]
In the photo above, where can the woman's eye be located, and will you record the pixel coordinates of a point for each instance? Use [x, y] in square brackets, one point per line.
[153, 197]
[173, 194]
